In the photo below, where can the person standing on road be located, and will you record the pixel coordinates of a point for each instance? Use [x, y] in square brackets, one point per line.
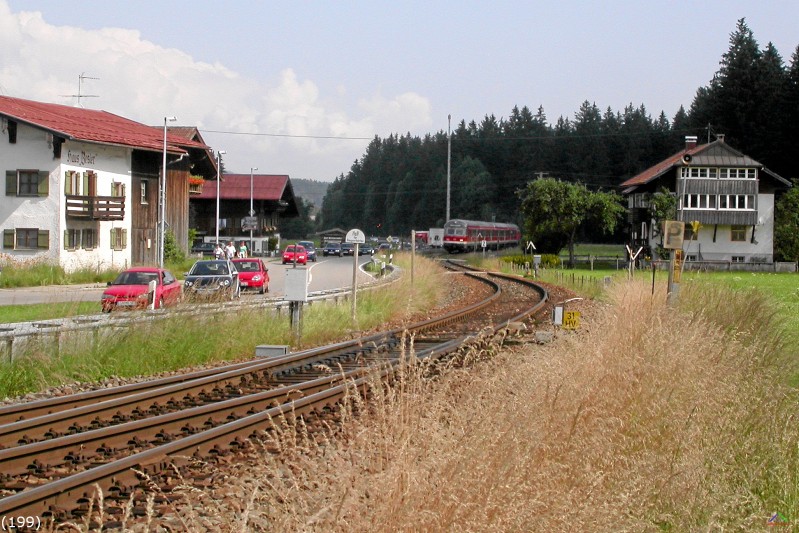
[242, 250]
[230, 250]
[219, 253]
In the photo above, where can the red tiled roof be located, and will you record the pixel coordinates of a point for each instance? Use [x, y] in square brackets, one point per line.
[94, 126]
[237, 187]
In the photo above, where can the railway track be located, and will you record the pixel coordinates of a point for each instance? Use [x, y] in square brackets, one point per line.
[55, 453]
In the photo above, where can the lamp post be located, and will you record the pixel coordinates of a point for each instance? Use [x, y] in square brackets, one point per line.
[218, 179]
[162, 228]
[252, 211]
[449, 158]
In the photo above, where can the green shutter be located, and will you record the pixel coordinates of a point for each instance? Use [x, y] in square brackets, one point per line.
[113, 243]
[68, 182]
[11, 182]
[66, 239]
[44, 183]
[8, 239]
[85, 191]
[44, 239]
[124, 239]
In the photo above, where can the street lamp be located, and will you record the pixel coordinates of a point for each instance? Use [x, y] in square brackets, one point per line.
[449, 158]
[218, 179]
[252, 211]
[162, 229]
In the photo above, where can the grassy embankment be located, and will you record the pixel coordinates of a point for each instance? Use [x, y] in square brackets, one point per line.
[175, 343]
[650, 418]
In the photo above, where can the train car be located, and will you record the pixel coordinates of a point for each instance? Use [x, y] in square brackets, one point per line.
[469, 235]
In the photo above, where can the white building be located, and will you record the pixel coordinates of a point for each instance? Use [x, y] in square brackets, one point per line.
[82, 185]
[730, 194]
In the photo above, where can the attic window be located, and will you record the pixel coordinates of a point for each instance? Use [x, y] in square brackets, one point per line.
[12, 132]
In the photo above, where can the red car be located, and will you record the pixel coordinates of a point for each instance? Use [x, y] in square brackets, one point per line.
[130, 289]
[253, 274]
[293, 250]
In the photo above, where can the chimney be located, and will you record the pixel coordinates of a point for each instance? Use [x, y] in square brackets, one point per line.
[720, 137]
[690, 142]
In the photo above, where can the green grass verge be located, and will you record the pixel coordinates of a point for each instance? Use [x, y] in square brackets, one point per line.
[33, 312]
[179, 342]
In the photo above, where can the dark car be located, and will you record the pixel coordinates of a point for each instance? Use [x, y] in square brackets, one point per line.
[204, 248]
[331, 248]
[365, 249]
[310, 249]
[347, 248]
[253, 274]
[212, 279]
[131, 289]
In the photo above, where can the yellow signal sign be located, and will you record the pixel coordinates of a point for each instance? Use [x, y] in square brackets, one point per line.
[571, 319]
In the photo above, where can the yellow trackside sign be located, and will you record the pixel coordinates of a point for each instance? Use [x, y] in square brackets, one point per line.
[571, 319]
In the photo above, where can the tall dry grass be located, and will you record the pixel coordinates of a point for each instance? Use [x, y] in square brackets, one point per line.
[650, 419]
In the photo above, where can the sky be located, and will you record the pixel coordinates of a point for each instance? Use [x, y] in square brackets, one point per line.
[301, 88]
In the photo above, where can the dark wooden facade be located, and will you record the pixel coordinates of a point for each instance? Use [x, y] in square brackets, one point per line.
[146, 171]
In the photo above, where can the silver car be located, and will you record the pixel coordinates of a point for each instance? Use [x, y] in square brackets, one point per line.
[212, 279]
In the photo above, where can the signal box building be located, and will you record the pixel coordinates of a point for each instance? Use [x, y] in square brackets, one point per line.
[728, 192]
[82, 186]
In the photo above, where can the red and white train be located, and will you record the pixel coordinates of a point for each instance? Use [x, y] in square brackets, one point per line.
[469, 235]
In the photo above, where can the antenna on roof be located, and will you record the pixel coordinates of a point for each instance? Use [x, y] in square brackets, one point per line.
[79, 95]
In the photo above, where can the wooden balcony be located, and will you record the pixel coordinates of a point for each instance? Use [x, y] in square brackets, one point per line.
[96, 207]
[195, 188]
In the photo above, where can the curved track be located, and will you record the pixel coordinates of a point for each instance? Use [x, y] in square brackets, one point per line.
[53, 452]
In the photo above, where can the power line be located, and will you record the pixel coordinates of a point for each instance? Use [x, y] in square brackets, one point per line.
[344, 138]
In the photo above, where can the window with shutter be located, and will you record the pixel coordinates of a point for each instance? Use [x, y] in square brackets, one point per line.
[44, 183]
[43, 239]
[11, 182]
[119, 238]
[8, 239]
[88, 239]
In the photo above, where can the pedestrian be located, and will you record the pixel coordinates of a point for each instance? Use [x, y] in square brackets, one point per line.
[230, 250]
[243, 250]
[219, 253]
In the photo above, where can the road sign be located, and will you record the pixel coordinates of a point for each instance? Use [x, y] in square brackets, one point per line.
[249, 223]
[355, 236]
[673, 232]
[483, 243]
[530, 245]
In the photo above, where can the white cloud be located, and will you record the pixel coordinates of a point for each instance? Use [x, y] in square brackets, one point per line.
[145, 82]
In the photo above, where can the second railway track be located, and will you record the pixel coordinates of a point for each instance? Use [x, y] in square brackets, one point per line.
[55, 452]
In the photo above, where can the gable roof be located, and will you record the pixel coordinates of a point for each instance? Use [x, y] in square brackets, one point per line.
[715, 154]
[89, 125]
[237, 187]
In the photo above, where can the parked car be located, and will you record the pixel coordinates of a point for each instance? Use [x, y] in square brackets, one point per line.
[253, 274]
[131, 289]
[347, 248]
[295, 252]
[212, 278]
[365, 249]
[204, 248]
[310, 249]
[331, 248]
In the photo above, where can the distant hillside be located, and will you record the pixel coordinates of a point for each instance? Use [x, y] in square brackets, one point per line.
[310, 190]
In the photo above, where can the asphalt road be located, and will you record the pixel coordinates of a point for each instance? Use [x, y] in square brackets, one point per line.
[327, 273]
